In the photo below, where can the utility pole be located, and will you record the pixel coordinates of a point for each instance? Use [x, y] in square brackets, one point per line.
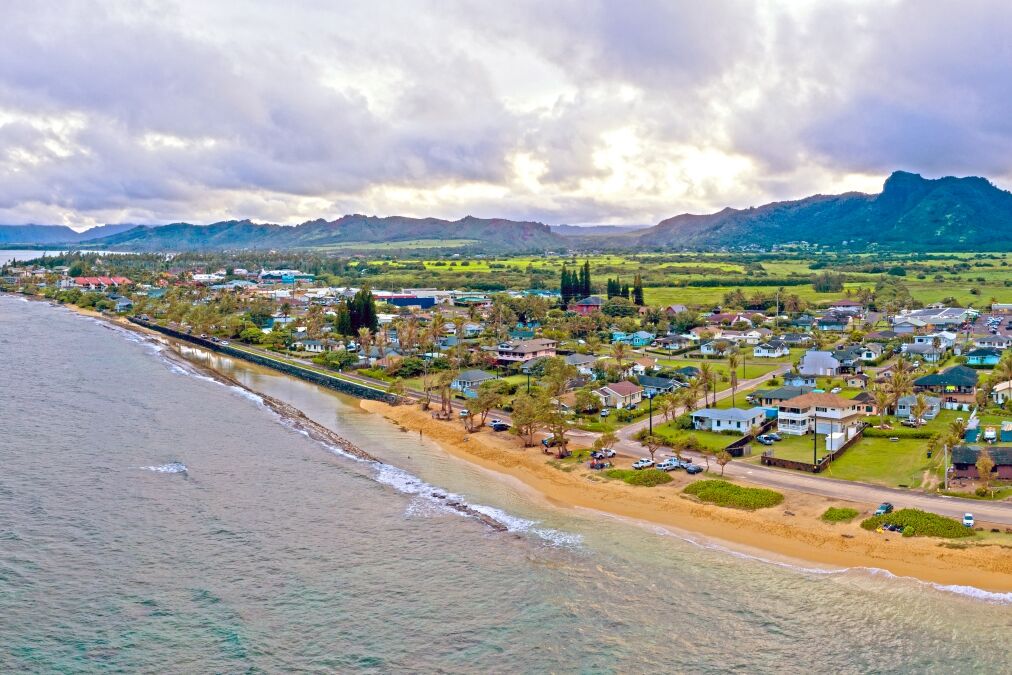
[945, 468]
[650, 415]
[815, 440]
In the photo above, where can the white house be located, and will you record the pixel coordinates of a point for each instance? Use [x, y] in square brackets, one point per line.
[824, 413]
[728, 419]
[773, 349]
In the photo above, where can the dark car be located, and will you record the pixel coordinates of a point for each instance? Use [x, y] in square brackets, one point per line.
[884, 508]
[692, 468]
[550, 442]
[500, 426]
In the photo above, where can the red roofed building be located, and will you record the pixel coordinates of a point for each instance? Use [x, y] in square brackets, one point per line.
[620, 394]
[101, 283]
[588, 305]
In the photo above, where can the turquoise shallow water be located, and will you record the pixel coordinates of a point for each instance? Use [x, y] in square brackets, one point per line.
[272, 552]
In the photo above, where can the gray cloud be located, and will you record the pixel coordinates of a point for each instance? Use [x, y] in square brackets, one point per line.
[633, 111]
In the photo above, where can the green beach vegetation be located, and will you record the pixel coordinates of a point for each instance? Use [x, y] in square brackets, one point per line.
[725, 493]
[920, 524]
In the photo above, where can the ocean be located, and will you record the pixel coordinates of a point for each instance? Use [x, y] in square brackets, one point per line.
[155, 520]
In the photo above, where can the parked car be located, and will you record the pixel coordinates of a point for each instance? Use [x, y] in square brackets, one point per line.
[224, 342]
[670, 464]
[692, 468]
[496, 420]
[775, 436]
[835, 390]
[643, 463]
[464, 413]
[968, 519]
[884, 508]
[550, 442]
[500, 426]
[765, 439]
[603, 454]
[605, 413]
[631, 406]
[598, 465]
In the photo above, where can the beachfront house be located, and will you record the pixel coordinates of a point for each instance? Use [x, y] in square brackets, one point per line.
[820, 412]
[468, 381]
[964, 462]
[728, 419]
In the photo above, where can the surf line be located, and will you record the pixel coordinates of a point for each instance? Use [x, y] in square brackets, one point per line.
[313, 429]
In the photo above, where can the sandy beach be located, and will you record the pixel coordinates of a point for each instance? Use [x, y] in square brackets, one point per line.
[791, 531]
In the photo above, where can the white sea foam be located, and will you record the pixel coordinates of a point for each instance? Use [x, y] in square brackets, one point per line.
[405, 482]
[170, 467]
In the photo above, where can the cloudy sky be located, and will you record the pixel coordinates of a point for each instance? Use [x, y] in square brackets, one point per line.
[564, 112]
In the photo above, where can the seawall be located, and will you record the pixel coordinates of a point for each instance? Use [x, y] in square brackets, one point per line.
[331, 382]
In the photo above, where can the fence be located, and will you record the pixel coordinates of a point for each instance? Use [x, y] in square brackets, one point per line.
[739, 447]
[769, 460]
[342, 385]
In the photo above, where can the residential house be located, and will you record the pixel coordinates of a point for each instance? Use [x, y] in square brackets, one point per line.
[964, 462]
[944, 339]
[983, 356]
[771, 398]
[587, 305]
[645, 365]
[674, 342]
[923, 350]
[687, 373]
[774, 349]
[833, 321]
[957, 386]
[805, 322]
[518, 351]
[999, 342]
[905, 405]
[799, 380]
[468, 381]
[101, 283]
[846, 307]
[728, 419]
[824, 413]
[671, 310]
[620, 394]
[124, 304]
[640, 338]
[937, 317]
[866, 402]
[906, 325]
[716, 348]
[881, 336]
[584, 363]
[316, 346]
[819, 363]
[657, 385]
[1002, 392]
[856, 380]
[796, 339]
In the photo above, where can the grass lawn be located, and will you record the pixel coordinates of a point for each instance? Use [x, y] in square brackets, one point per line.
[795, 448]
[707, 439]
[902, 463]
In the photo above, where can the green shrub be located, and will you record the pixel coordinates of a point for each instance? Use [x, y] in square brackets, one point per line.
[645, 478]
[902, 432]
[921, 524]
[723, 493]
[839, 515]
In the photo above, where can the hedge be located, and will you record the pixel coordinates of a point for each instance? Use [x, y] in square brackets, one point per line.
[905, 432]
[922, 524]
[723, 493]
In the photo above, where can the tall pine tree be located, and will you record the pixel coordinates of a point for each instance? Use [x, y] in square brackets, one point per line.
[586, 290]
[638, 291]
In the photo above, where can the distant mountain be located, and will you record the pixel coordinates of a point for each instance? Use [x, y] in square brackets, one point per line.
[595, 230]
[55, 234]
[911, 213]
[493, 235]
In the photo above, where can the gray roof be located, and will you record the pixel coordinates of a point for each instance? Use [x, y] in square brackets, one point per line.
[474, 376]
[732, 414]
[580, 359]
[910, 399]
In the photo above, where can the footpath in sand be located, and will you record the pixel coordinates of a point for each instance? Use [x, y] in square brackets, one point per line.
[790, 531]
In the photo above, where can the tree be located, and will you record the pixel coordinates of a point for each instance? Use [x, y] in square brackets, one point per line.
[651, 443]
[586, 290]
[362, 310]
[723, 459]
[490, 396]
[396, 390]
[918, 409]
[586, 401]
[342, 322]
[984, 466]
[638, 291]
[706, 381]
[527, 416]
[900, 382]
[620, 352]
[605, 441]
[882, 399]
[732, 364]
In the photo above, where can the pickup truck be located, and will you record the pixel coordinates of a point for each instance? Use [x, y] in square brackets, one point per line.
[643, 463]
[669, 464]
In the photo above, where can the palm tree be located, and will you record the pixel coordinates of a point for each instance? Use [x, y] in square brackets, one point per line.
[706, 380]
[620, 352]
[882, 399]
[918, 409]
[732, 365]
[364, 341]
[900, 383]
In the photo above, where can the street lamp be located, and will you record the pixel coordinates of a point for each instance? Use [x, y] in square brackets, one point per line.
[650, 415]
